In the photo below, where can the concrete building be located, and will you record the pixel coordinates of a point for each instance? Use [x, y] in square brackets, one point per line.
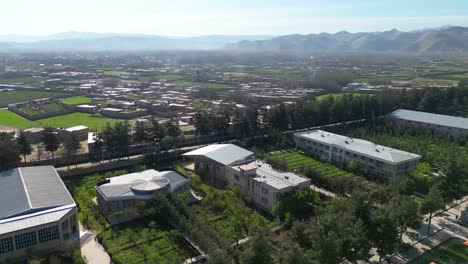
[37, 213]
[125, 197]
[370, 157]
[80, 132]
[211, 162]
[441, 124]
[235, 166]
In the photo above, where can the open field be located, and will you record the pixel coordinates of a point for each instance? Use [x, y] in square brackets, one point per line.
[118, 73]
[11, 97]
[76, 100]
[451, 251]
[21, 80]
[134, 242]
[201, 85]
[11, 119]
[337, 95]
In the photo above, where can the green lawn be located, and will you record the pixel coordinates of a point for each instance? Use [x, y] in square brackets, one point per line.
[131, 242]
[201, 85]
[11, 119]
[451, 251]
[76, 100]
[12, 97]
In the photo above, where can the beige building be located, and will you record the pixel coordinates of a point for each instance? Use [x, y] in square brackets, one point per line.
[370, 157]
[37, 213]
[234, 166]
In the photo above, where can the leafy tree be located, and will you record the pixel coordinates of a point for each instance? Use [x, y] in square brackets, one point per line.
[403, 210]
[24, 145]
[72, 145]
[383, 233]
[141, 132]
[9, 152]
[259, 250]
[172, 130]
[300, 204]
[50, 140]
[433, 202]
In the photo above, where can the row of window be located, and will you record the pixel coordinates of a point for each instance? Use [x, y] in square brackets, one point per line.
[29, 239]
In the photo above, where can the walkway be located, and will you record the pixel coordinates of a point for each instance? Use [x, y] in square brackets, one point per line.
[92, 251]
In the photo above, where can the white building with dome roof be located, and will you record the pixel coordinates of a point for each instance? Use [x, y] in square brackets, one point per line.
[123, 198]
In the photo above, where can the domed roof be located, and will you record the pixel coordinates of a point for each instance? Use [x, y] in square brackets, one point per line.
[151, 185]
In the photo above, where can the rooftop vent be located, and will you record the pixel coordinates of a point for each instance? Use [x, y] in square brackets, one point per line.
[286, 177]
[377, 150]
[346, 141]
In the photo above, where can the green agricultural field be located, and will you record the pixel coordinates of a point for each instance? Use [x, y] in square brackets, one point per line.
[337, 95]
[76, 100]
[451, 251]
[22, 80]
[201, 85]
[11, 119]
[132, 242]
[328, 175]
[11, 97]
[169, 77]
[118, 73]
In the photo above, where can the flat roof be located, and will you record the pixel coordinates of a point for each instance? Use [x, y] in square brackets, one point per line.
[31, 189]
[360, 146]
[429, 118]
[225, 154]
[141, 185]
[76, 128]
[272, 177]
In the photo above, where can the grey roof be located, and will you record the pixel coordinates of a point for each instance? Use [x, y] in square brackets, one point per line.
[141, 185]
[225, 154]
[31, 189]
[272, 177]
[429, 118]
[363, 147]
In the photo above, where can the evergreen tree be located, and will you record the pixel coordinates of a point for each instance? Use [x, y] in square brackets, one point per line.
[24, 145]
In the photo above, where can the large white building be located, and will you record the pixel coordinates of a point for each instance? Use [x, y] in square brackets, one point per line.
[370, 157]
[235, 166]
[37, 213]
[441, 124]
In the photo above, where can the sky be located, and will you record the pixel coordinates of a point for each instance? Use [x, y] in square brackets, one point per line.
[241, 17]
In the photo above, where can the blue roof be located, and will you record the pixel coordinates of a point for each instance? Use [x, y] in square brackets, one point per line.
[429, 118]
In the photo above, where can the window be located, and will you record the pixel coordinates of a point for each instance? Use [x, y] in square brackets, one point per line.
[236, 177]
[6, 245]
[65, 226]
[264, 200]
[73, 221]
[25, 240]
[48, 234]
[264, 190]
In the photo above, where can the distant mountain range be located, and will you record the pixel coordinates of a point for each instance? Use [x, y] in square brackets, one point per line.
[89, 41]
[447, 39]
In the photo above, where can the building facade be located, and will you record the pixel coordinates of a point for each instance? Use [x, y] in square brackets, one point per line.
[440, 124]
[229, 166]
[125, 198]
[371, 158]
[40, 215]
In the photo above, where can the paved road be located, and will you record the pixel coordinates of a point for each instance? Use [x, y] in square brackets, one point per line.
[92, 251]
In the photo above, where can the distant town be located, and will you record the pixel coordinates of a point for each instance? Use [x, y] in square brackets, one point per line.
[209, 157]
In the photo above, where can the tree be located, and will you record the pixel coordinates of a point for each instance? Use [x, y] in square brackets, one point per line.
[24, 145]
[403, 210]
[299, 204]
[172, 130]
[72, 145]
[432, 202]
[9, 152]
[383, 233]
[258, 251]
[141, 132]
[50, 140]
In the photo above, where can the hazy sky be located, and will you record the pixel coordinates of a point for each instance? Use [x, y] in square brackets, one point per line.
[201, 17]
